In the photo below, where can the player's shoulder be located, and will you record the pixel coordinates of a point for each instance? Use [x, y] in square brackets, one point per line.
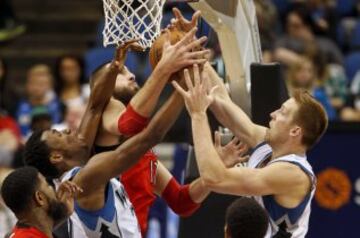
[295, 173]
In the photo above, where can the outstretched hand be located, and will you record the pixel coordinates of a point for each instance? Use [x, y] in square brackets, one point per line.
[66, 194]
[184, 53]
[181, 23]
[233, 152]
[121, 51]
[198, 97]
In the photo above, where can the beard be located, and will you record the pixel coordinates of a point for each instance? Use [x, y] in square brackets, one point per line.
[57, 211]
[125, 94]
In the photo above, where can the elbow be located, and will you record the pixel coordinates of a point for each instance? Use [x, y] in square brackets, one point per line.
[211, 182]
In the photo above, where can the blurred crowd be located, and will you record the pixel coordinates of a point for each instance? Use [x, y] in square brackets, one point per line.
[317, 42]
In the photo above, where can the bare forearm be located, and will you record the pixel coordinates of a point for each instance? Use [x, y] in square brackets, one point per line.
[198, 191]
[210, 165]
[232, 117]
[215, 80]
[102, 89]
[146, 99]
[165, 118]
[99, 97]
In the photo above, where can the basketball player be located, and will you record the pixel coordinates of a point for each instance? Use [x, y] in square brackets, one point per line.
[103, 209]
[278, 174]
[148, 177]
[35, 204]
[245, 218]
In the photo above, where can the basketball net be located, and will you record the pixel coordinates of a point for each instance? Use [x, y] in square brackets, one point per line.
[132, 19]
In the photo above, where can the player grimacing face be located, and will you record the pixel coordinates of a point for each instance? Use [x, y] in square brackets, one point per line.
[282, 124]
[126, 86]
[67, 143]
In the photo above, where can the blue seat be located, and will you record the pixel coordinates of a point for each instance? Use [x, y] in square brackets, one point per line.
[352, 65]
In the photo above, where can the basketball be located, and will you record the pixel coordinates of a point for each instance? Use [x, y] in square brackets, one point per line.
[156, 49]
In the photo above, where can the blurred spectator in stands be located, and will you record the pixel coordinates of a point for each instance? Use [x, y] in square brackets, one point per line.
[9, 25]
[302, 74]
[335, 84]
[7, 217]
[9, 139]
[352, 112]
[267, 20]
[300, 39]
[324, 16]
[39, 89]
[72, 118]
[70, 82]
[40, 119]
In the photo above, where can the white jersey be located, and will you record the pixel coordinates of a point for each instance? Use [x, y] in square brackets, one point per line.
[284, 222]
[115, 220]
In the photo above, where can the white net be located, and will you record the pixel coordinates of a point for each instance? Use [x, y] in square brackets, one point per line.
[131, 19]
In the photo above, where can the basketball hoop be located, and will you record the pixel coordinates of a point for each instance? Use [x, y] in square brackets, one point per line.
[131, 19]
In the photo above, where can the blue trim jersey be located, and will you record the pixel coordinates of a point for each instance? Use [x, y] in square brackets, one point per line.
[284, 222]
[115, 220]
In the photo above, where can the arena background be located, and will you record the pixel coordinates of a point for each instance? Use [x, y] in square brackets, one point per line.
[41, 31]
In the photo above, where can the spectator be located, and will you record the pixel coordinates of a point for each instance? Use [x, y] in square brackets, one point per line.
[335, 85]
[245, 218]
[71, 86]
[352, 112]
[324, 16]
[267, 20]
[40, 119]
[6, 99]
[39, 93]
[300, 39]
[72, 118]
[9, 139]
[7, 218]
[302, 74]
[9, 25]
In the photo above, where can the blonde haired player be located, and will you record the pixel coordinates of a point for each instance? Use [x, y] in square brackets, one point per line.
[279, 176]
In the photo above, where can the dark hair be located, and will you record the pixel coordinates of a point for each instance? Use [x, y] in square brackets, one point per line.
[59, 85]
[37, 154]
[19, 187]
[245, 218]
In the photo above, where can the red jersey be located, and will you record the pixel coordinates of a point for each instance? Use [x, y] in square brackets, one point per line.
[139, 180]
[139, 184]
[23, 231]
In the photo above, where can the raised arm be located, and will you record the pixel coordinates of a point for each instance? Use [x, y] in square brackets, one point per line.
[174, 58]
[237, 181]
[232, 116]
[102, 167]
[103, 83]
